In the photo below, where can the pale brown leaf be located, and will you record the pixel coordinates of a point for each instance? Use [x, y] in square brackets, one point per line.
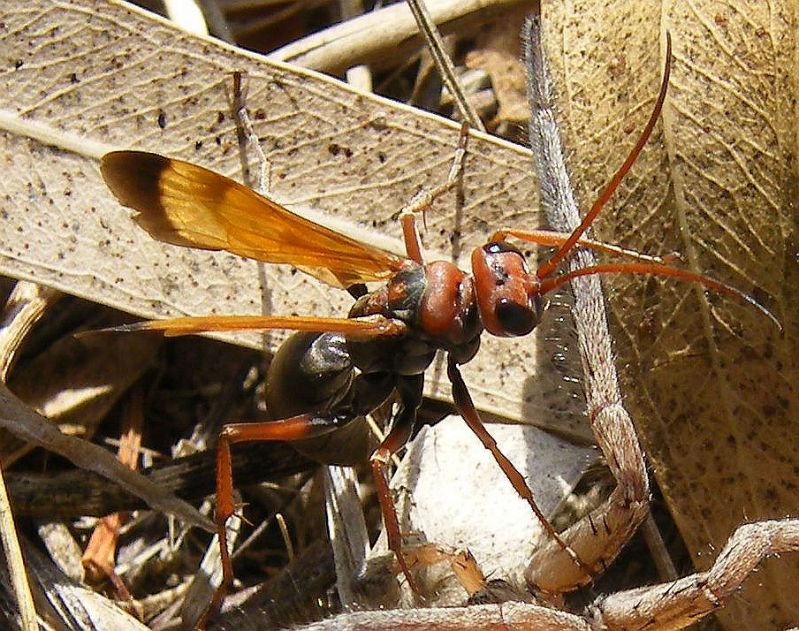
[86, 76]
[709, 382]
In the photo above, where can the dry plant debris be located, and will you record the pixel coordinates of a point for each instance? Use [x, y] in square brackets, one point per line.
[84, 76]
[712, 391]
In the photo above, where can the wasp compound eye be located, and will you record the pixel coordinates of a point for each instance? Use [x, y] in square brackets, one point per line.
[515, 319]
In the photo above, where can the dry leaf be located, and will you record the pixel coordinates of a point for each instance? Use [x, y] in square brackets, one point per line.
[498, 51]
[26, 305]
[709, 382]
[26, 424]
[62, 603]
[76, 382]
[122, 78]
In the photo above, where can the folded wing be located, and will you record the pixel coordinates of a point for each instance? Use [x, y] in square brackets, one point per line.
[185, 204]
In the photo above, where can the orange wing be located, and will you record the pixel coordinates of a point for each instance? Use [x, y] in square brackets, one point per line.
[358, 327]
[184, 204]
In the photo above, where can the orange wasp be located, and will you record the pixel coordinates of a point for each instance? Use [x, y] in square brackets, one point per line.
[333, 371]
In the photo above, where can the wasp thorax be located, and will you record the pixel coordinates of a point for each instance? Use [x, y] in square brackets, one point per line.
[448, 312]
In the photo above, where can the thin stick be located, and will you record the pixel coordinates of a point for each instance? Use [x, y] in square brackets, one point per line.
[248, 137]
[382, 34]
[444, 64]
[360, 75]
[16, 563]
[657, 547]
[216, 21]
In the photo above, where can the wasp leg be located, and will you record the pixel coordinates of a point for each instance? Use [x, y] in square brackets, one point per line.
[291, 429]
[410, 391]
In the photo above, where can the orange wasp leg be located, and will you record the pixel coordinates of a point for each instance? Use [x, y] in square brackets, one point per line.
[302, 427]
[290, 429]
[410, 235]
[410, 390]
[465, 406]
[425, 198]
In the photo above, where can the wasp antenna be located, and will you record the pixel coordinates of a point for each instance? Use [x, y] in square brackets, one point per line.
[548, 267]
[654, 269]
[760, 308]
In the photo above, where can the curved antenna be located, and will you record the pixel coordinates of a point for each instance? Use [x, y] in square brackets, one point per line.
[655, 269]
[548, 267]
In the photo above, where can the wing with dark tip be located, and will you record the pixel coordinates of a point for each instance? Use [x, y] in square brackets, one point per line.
[185, 204]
